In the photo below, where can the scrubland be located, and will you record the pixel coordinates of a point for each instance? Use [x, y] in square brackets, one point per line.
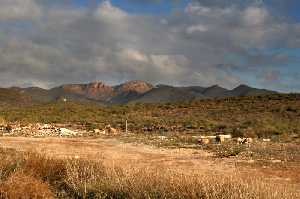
[29, 175]
[70, 167]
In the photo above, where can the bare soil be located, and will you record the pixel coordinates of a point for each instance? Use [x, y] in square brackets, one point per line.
[114, 152]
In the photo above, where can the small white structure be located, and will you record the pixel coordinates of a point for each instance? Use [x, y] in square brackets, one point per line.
[67, 132]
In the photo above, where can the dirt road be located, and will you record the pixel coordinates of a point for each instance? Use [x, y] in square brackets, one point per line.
[115, 152]
[128, 155]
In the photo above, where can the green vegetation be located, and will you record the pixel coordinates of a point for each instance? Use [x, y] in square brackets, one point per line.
[275, 116]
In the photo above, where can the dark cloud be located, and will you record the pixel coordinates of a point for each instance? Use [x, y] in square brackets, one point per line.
[206, 43]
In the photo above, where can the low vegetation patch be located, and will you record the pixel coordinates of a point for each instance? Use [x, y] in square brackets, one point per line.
[27, 175]
[276, 116]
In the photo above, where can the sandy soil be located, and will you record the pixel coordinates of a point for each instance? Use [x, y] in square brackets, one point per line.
[115, 152]
[127, 155]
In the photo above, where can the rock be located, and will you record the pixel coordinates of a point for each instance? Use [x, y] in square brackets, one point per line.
[266, 140]
[162, 137]
[276, 161]
[222, 138]
[99, 132]
[67, 132]
[245, 140]
[111, 130]
[134, 86]
[203, 141]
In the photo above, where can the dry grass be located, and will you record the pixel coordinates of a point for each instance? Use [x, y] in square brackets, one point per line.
[161, 183]
[36, 176]
[22, 186]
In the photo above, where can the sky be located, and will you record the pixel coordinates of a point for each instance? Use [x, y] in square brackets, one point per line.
[47, 43]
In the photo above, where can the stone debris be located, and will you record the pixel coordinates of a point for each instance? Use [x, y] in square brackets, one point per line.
[266, 140]
[99, 132]
[37, 130]
[48, 130]
[66, 132]
[108, 130]
[214, 139]
[162, 137]
[244, 140]
[222, 138]
[276, 161]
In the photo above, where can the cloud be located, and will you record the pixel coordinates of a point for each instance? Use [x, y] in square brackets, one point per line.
[196, 28]
[255, 16]
[19, 9]
[204, 43]
[132, 54]
[106, 11]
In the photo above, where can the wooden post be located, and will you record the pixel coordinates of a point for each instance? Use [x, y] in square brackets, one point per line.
[126, 127]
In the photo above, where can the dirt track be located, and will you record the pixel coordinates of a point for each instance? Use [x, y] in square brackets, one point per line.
[127, 155]
[115, 152]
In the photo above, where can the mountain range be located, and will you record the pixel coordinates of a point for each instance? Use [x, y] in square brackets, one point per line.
[128, 92]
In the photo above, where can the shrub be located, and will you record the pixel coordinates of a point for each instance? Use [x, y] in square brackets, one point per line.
[22, 186]
[44, 168]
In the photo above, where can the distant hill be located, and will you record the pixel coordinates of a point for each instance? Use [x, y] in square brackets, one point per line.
[13, 96]
[128, 92]
[165, 93]
[244, 90]
[215, 91]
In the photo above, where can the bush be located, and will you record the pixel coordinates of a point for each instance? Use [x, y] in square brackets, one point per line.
[22, 186]
[37, 176]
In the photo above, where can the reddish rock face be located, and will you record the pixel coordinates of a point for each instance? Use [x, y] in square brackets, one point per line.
[99, 90]
[135, 86]
[103, 92]
[94, 90]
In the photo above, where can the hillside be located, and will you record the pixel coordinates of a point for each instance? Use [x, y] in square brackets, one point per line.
[128, 92]
[273, 115]
[163, 94]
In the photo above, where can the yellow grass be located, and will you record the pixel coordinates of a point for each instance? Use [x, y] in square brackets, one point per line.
[42, 177]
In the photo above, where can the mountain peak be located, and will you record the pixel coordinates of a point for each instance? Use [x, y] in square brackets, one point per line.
[98, 85]
[243, 86]
[214, 91]
[134, 91]
[134, 86]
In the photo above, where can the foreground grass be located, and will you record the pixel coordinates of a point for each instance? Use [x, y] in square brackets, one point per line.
[28, 175]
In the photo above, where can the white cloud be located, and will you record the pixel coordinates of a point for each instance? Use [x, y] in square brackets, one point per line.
[195, 8]
[134, 55]
[171, 65]
[196, 28]
[106, 11]
[199, 10]
[19, 10]
[255, 16]
[72, 44]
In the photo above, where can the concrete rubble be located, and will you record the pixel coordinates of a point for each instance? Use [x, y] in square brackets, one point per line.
[37, 130]
[214, 139]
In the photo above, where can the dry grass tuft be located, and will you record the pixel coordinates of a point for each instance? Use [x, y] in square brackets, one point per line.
[22, 186]
[36, 176]
[90, 180]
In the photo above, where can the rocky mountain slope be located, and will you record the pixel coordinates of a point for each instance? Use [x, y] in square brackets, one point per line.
[132, 91]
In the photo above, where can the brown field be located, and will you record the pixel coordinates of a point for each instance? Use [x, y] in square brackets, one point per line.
[136, 171]
[159, 157]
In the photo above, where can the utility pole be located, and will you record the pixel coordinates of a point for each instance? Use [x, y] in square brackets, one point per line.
[126, 126]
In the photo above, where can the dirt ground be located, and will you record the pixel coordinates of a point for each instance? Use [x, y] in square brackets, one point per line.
[115, 153]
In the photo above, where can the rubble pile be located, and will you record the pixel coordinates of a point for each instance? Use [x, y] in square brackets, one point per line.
[37, 130]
